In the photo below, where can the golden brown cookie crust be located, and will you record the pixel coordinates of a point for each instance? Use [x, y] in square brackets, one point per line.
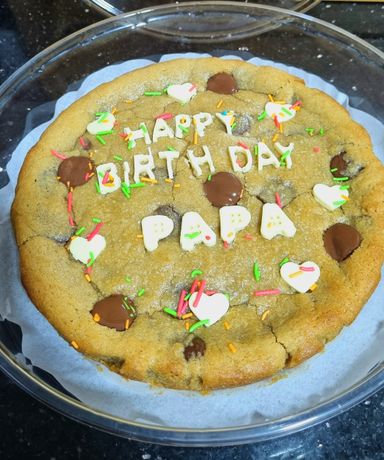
[297, 325]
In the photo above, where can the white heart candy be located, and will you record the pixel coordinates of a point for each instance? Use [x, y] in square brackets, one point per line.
[300, 277]
[182, 93]
[275, 222]
[155, 228]
[194, 230]
[104, 122]
[211, 307]
[232, 220]
[81, 248]
[274, 109]
[330, 197]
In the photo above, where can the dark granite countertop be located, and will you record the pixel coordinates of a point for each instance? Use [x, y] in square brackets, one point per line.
[31, 430]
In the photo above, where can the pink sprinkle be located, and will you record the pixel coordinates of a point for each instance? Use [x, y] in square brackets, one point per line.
[105, 178]
[184, 307]
[200, 293]
[58, 155]
[316, 149]
[297, 103]
[276, 121]
[164, 116]
[210, 292]
[71, 222]
[241, 144]
[180, 304]
[192, 88]
[95, 231]
[307, 269]
[226, 244]
[69, 201]
[248, 236]
[267, 292]
[123, 135]
[278, 200]
[194, 286]
[88, 270]
[86, 177]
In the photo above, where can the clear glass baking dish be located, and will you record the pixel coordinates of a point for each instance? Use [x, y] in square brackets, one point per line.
[352, 65]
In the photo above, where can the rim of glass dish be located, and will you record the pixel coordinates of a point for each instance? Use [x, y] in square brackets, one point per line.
[170, 435]
[104, 7]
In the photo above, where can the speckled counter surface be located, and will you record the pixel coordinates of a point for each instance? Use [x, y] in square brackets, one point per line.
[31, 430]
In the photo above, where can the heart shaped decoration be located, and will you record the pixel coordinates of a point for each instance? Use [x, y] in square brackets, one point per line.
[81, 248]
[300, 277]
[211, 307]
[330, 197]
[275, 222]
[105, 122]
[281, 111]
[182, 93]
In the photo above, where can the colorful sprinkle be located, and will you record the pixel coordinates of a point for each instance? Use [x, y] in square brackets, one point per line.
[96, 220]
[256, 150]
[80, 231]
[344, 187]
[148, 179]
[262, 116]
[180, 303]
[248, 236]
[276, 121]
[196, 272]
[75, 345]
[184, 129]
[198, 324]
[187, 315]
[232, 348]
[313, 287]
[256, 271]
[199, 293]
[265, 314]
[97, 187]
[164, 116]
[310, 131]
[95, 231]
[128, 280]
[105, 178]
[339, 203]
[219, 104]
[195, 139]
[137, 185]
[284, 261]
[191, 236]
[141, 292]
[278, 200]
[187, 296]
[58, 155]
[241, 144]
[340, 179]
[286, 111]
[153, 93]
[186, 325]
[295, 274]
[101, 139]
[169, 311]
[267, 292]
[307, 269]
[321, 131]
[87, 277]
[227, 326]
[118, 158]
[333, 169]
[143, 128]
[130, 144]
[296, 104]
[316, 149]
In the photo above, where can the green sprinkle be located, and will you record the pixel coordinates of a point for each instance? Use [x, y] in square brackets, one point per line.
[262, 116]
[166, 88]
[234, 125]
[321, 131]
[96, 220]
[141, 292]
[209, 177]
[284, 261]
[187, 296]
[310, 131]
[100, 139]
[198, 324]
[128, 280]
[333, 169]
[97, 187]
[143, 128]
[118, 157]
[92, 259]
[100, 174]
[340, 179]
[283, 157]
[80, 231]
[256, 150]
[170, 311]
[191, 236]
[131, 144]
[102, 115]
[153, 93]
[283, 109]
[127, 306]
[227, 295]
[138, 184]
[339, 203]
[184, 129]
[104, 133]
[256, 271]
[125, 190]
[344, 187]
[171, 149]
[196, 272]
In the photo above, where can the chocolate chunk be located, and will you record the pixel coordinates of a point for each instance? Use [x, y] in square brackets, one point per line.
[74, 170]
[222, 83]
[170, 212]
[224, 189]
[195, 349]
[243, 124]
[341, 240]
[85, 143]
[340, 164]
[116, 312]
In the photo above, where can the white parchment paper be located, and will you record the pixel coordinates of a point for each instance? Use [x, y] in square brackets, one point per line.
[345, 360]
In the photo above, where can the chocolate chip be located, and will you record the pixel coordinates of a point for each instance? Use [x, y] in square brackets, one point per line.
[338, 162]
[73, 170]
[243, 124]
[85, 143]
[170, 212]
[224, 189]
[195, 349]
[341, 240]
[116, 312]
[222, 83]
[287, 192]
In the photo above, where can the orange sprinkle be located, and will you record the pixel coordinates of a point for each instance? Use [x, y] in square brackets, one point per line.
[74, 344]
[58, 177]
[232, 347]
[170, 181]
[281, 127]
[344, 197]
[265, 314]
[219, 104]
[90, 154]
[313, 287]
[139, 236]
[73, 237]
[233, 119]
[195, 137]
[275, 137]
[87, 277]
[127, 324]
[270, 97]
[296, 274]
[176, 185]
[187, 315]
[68, 184]
[187, 325]
[227, 325]
[90, 175]
[96, 317]
[90, 166]
[148, 179]
[128, 101]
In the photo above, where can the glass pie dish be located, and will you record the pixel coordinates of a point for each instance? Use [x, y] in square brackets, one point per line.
[218, 28]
